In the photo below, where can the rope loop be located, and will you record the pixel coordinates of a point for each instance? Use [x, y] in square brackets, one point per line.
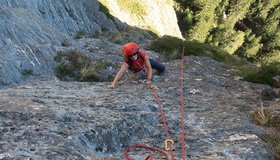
[165, 155]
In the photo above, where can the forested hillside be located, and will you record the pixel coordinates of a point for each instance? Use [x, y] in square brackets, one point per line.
[248, 28]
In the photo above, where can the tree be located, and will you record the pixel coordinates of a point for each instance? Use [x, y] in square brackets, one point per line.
[249, 28]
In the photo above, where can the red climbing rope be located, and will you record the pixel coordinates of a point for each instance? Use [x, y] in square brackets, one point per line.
[182, 107]
[164, 123]
[168, 141]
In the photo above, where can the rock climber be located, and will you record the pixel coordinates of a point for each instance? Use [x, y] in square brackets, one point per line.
[137, 60]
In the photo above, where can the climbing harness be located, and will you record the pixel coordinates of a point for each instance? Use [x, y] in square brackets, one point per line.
[168, 143]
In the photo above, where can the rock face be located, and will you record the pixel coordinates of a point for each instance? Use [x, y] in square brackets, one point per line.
[32, 30]
[156, 15]
[50, 119]
[44, 21]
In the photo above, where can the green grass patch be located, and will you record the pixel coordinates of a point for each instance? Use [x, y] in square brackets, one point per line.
[267, 117]
[80, 34]
[27, 72]
[74, 66]
[262, 74]
[130, 34]
[272, 67]
[91, 72]
[262, 116]
[274, 122]
[274, 141]
[254, 75]
[59, 55]
[171, 48]
[69, 64]
[134, 7]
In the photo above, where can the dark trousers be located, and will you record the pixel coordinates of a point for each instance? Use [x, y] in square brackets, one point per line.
[156, 65]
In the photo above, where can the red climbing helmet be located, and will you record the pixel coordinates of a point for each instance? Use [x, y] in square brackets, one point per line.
[130, 48]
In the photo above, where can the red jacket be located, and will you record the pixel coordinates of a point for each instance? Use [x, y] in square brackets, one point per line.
[138, 64]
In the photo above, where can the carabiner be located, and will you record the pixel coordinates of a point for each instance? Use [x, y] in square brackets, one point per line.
[166, 144]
